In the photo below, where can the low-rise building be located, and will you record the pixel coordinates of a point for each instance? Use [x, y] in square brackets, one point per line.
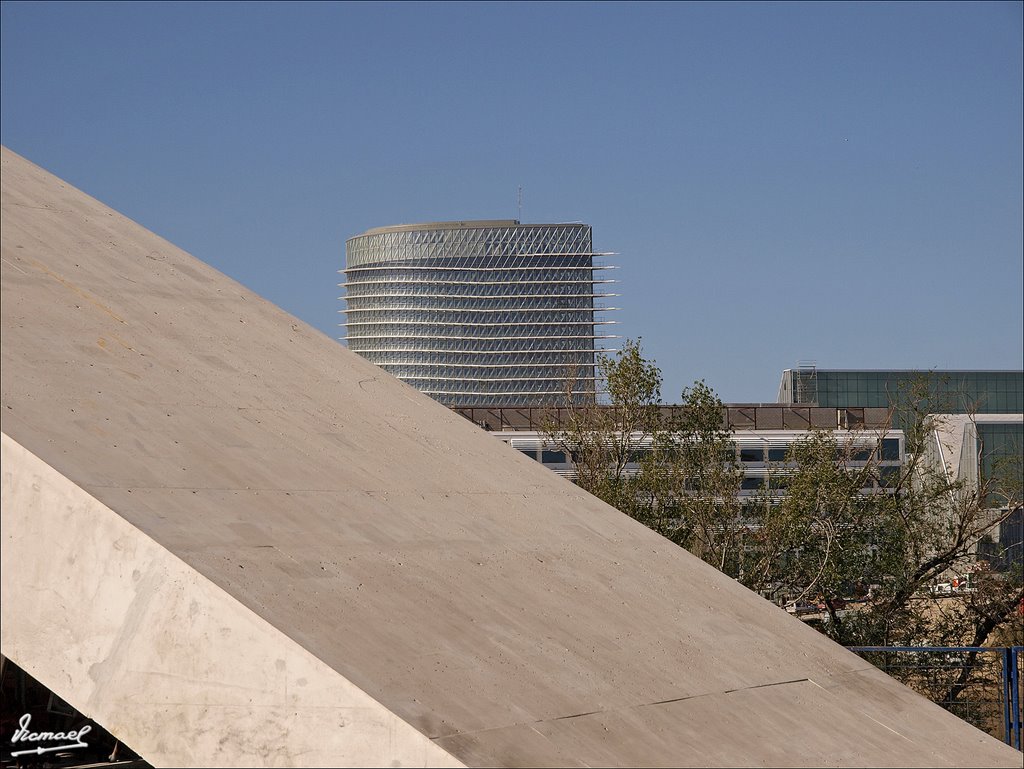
[977, 430]
[762, 435]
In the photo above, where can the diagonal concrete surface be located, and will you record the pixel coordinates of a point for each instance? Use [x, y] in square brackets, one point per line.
[162, 656]
[405, 554]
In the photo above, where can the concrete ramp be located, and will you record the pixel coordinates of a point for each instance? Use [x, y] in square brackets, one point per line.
[232, 542]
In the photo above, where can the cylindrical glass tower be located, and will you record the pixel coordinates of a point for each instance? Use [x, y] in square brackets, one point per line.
[483, 313]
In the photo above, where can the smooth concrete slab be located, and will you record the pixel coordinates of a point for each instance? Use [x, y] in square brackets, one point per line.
[475, 595]
[168, 661]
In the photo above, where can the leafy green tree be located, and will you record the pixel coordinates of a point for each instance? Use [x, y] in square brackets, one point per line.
[840, 533]
[693, 481]
[849, 526]
[825, 538]
[604, 439]
[673, 470]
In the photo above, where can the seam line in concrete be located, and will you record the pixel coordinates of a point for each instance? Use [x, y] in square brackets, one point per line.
[624, 708]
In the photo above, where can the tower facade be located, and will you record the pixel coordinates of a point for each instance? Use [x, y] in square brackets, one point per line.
[479, 313]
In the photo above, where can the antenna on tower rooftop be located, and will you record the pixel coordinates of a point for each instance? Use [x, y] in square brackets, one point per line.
[519, 199]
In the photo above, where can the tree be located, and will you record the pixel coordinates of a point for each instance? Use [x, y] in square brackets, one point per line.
[838, 531]
[604, 439]
[850, 525]
[937, 520]
[843, 526]
[693, 481]
[825, 536]
[673, 470]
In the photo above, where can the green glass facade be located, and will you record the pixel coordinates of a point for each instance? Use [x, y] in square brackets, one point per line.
[1000, 458]
[955, 392]
[996, 454]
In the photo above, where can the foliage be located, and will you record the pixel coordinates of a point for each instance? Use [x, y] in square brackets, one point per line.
[864, 540]
[692, 480]
[603, 440]
[673, 471]
[836, 535]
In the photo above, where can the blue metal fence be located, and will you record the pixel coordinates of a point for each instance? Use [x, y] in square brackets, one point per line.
[981, 685]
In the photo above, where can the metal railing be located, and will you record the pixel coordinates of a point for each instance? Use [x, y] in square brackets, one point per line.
[980, 685]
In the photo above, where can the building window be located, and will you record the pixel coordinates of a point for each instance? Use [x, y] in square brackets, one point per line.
[752, 454]
[890, 449]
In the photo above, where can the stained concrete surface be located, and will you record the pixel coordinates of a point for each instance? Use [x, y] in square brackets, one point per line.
[505, 614]
[162, 656]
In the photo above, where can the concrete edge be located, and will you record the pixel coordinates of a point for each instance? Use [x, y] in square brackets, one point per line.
[168, 662]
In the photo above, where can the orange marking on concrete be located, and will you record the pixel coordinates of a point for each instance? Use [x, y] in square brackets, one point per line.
[81, 292]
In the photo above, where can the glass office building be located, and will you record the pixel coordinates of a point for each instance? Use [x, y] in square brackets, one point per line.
[999, 449]
[955, 392]
[762, 436]
[981, 412]
[479, 313]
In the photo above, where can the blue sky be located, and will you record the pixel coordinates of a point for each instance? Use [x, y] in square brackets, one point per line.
[832, 182]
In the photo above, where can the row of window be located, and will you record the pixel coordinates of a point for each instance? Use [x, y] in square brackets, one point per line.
[883, 477]
[888, 451]
[422, 343]
[447, 261]
[367, 290]
[507, 399]
[953, 391]
[411, 279]
[476, 242]
[360, 305]
[472, 317]
[488, 385]
[522, 360]
[488, 276]
[505, 332]
[471, 372]
[887, 477]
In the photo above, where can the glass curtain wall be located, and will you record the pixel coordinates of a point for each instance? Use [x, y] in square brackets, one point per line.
[479, 313]
[958, 392]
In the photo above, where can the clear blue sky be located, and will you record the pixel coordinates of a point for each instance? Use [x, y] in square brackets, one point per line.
[833, 182]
